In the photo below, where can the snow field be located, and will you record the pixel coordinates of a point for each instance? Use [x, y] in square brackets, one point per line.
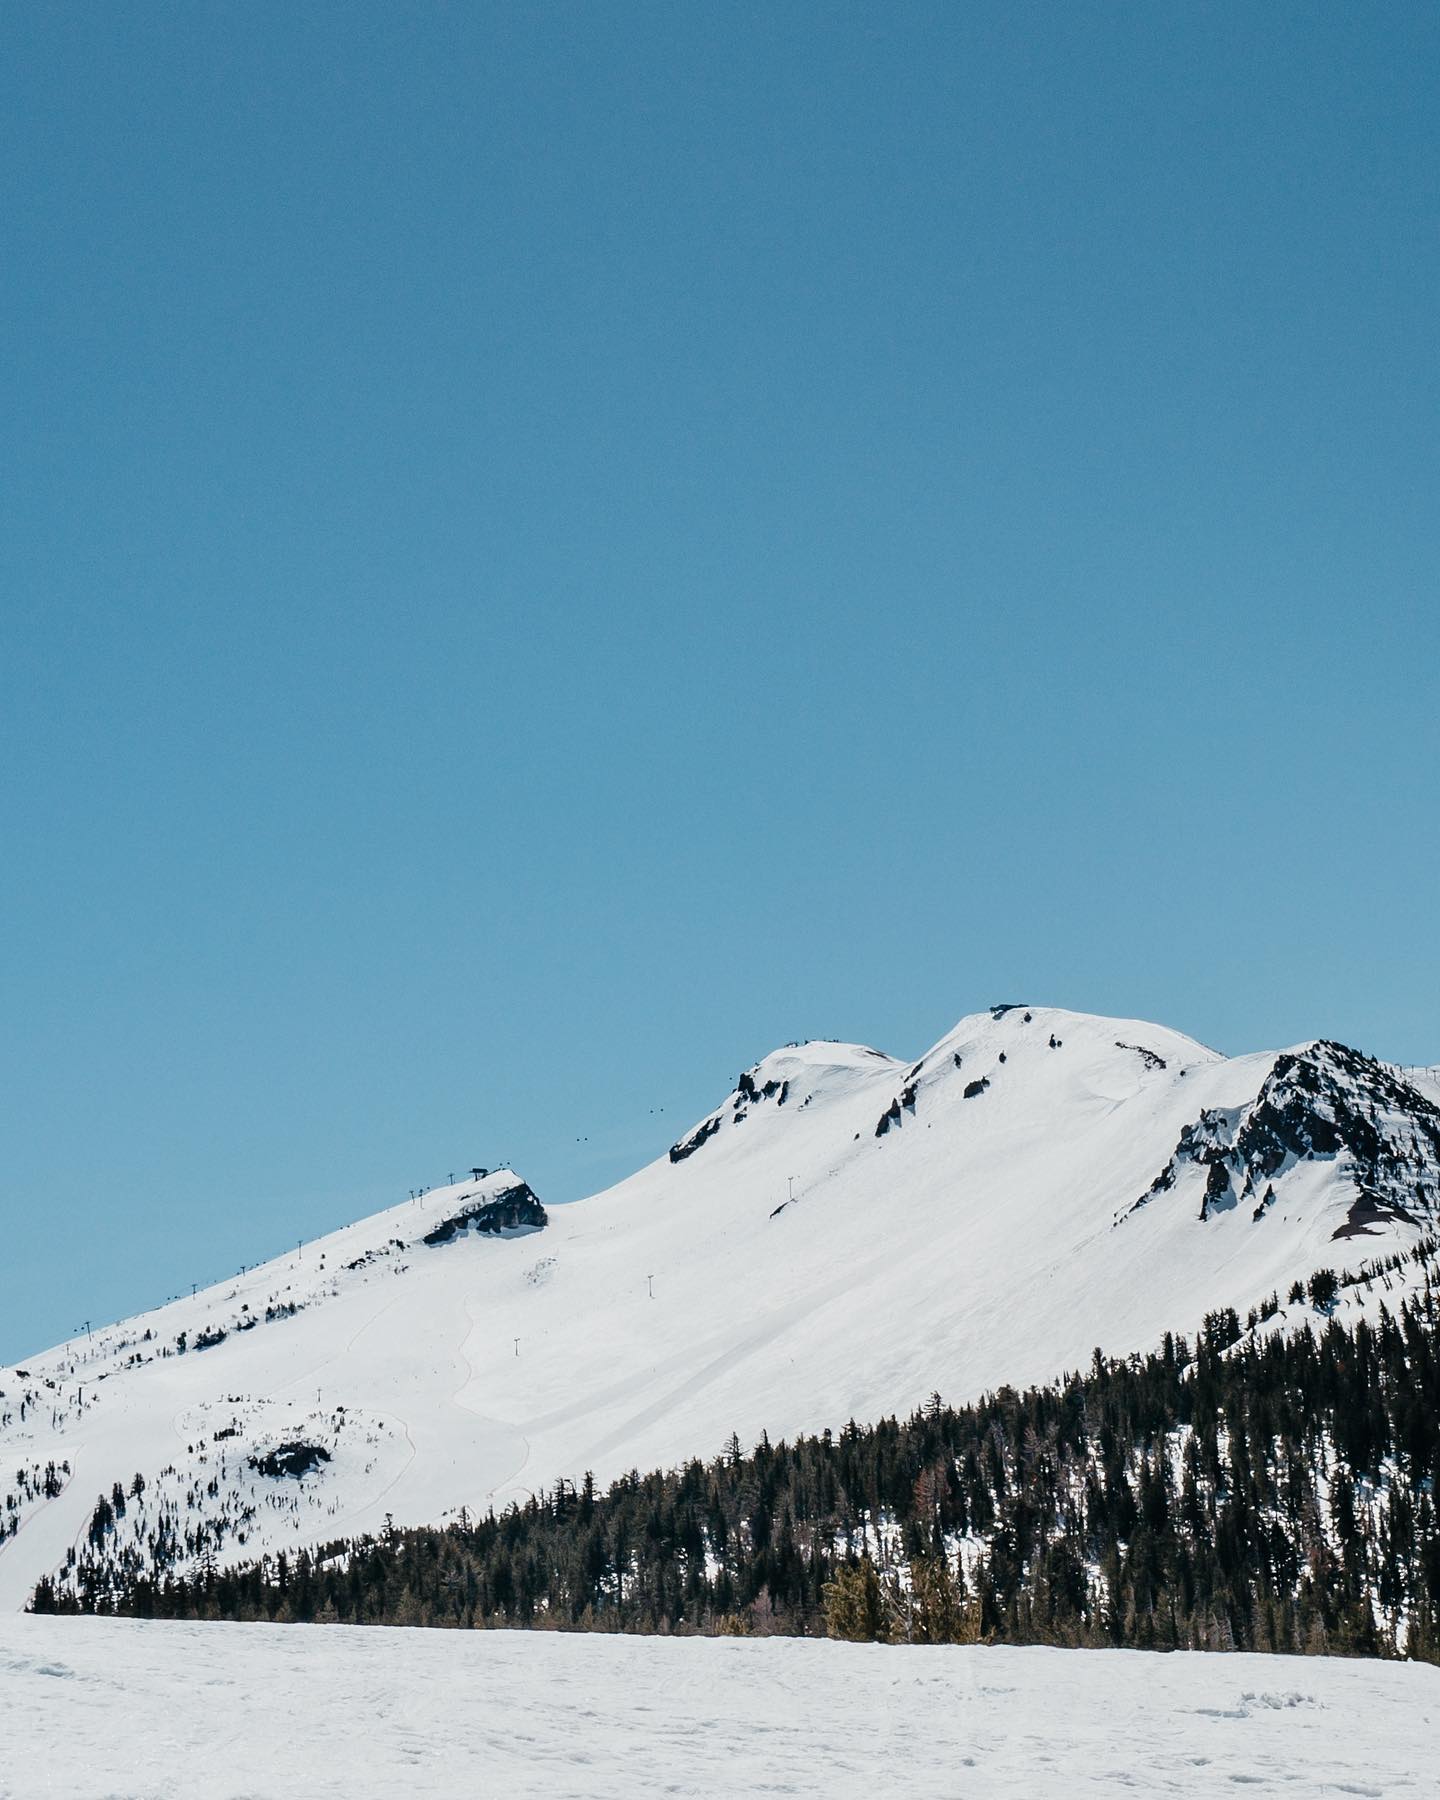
[108, 1709]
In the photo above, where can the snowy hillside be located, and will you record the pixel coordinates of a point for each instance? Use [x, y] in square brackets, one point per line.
[843, 1235]
[98, 1707]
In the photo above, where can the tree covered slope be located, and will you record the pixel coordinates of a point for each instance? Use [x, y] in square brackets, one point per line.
[1271, 1486]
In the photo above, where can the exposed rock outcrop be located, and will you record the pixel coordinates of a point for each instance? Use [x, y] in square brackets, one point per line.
[1325, 1101]
[513, 1211]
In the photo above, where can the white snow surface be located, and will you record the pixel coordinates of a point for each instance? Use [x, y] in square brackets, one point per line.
[978, 1241]
[100, 1709]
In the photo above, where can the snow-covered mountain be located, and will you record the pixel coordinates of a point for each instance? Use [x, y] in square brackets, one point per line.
[843, 1235]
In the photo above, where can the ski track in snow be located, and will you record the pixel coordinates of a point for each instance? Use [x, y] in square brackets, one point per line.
[727, 1360]
[473, 1377]
[102, 1709]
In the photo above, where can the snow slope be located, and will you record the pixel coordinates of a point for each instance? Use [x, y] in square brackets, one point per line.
[98, 1708]
[845, 1234]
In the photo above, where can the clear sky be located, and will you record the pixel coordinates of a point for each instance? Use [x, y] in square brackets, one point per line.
[547, 549]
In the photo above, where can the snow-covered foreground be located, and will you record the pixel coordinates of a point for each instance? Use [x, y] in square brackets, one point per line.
[102, 1707]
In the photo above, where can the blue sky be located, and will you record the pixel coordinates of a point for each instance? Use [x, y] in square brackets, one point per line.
[547, 550]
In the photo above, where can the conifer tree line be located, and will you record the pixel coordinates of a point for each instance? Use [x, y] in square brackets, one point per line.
[1265, 1487]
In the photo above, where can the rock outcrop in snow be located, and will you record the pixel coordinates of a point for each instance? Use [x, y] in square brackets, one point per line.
[513, 1212]
[1320, 1103]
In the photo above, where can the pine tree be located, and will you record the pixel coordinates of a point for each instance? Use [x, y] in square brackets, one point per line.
[854, 1607]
